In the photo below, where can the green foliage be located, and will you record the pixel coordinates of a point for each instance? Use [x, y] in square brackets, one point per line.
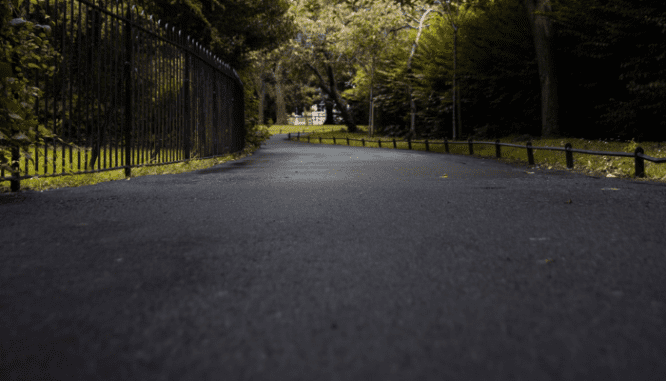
[497, 72]
[611, 63]
[230, 29]
[256, 135]
[25, 54]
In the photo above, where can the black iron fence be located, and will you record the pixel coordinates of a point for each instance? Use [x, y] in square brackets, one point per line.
[638, 154]
[128, 91]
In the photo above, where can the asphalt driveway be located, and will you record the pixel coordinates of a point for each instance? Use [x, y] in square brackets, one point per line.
[309, 262]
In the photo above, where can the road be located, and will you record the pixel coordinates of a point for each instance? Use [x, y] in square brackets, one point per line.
[309, 262]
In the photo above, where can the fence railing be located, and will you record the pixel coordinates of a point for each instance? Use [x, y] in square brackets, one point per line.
[638, 155]
[129, 91]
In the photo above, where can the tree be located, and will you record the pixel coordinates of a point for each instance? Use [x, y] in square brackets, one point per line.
[231, 29]
[369, 32]
[425, 11]
[26, 55]
[318, 47]
[543, 34]
[626, 38]
[455, 12]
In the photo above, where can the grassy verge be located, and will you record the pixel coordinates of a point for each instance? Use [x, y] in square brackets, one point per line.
[282, 129]
[43, 183]
[593, 165]
[38, 183]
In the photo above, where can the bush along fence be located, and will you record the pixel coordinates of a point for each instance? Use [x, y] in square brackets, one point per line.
[127, 91]
[638, 155]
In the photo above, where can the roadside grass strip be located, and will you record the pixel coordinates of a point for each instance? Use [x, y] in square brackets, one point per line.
[593, 165]
[38, 183]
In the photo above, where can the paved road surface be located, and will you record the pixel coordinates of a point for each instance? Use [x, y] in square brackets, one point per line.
[307, 262]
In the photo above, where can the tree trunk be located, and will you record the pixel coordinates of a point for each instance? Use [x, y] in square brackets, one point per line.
[542, 31]
[329, 112]
[412, 108]
[454, 88]
[281, 110]
[371, 123]
[262, 96]
[342, 105]
[331, 90]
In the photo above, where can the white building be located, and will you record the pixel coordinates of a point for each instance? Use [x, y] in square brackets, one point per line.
[315, 118]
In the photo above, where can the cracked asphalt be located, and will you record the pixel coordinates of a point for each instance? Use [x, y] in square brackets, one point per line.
[309, 262]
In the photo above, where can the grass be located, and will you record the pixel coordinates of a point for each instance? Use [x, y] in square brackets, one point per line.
[606, 166]
[278, 129]
[37, 183]
[593, 165]
[71, 162]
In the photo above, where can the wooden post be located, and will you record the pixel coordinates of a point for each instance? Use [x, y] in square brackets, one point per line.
[640, 162]
[15, 185]
[569, 155]
[530, 154]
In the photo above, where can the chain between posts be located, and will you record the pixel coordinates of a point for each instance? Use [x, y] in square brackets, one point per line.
[637, 155]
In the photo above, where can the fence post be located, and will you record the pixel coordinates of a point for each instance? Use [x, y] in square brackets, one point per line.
[334, 140]
[569, 155]
[308, 138]
[298, 136]
[129, 67]
[347, 140]
[289, 136]
[498, 152]
[363, 141]
[640, 162]
[380, 143]
[409, 142]
[15, 185]
[446, 145]
[394, 145]
[530, 154]
[186, 101]
[471, 146]
[427, 147]
[320, 140]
